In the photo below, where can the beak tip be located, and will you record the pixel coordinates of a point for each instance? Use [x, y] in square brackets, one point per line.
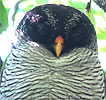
[58, 52]
[59, 41]
[57, 56]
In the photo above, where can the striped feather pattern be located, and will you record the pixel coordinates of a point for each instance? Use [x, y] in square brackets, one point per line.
[34, 73]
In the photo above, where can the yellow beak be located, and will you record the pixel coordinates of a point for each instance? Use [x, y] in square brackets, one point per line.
[59, 45]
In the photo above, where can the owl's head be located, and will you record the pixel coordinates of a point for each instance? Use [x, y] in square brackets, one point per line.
[59, 28]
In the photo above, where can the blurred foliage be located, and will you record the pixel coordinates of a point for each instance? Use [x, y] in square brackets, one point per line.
[102, 49]
[105, 73]
[25, 5]
[3, 18]
[101, 33]
[41, 2]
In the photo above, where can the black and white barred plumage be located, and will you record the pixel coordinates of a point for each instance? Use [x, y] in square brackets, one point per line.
[33, 72]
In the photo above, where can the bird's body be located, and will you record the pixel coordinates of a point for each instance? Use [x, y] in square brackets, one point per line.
[33, 72]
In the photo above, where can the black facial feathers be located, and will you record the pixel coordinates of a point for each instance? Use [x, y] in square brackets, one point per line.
[44, 23]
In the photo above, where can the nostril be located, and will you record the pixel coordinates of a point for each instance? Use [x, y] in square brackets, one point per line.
[55, 43]
[61, 43]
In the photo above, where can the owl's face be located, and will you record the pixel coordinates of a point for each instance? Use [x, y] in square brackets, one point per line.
[59, 28]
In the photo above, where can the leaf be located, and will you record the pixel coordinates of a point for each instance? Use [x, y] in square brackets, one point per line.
[105, 73]
[101, 13]
[91, 17]
[27, 8]
[41, 2]
[3, 18]
[101, 34]
[77, 4]
[4, 63]
[102, 49]
[55, 1]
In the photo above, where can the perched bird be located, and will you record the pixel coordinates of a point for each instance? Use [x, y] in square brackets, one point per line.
[55, 57]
